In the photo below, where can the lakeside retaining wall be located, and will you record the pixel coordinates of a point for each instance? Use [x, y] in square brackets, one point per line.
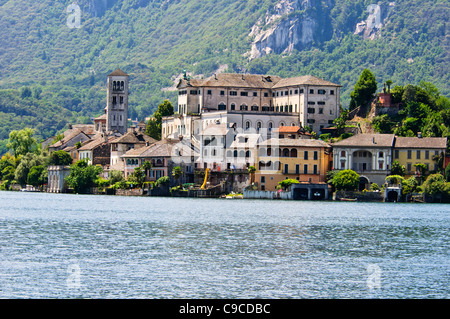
[360, 196]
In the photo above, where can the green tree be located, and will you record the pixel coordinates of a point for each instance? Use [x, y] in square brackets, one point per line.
[154, 124]
[447, 173]
[82, 176]
[347, 180]
[286, 183]
[22, 142]
[37, 176]
[434, 186]
[394, 179]
[137, 178]
[398, 169]
[364, 90]
[60, 158]
[382, 124]
[147, 166]
[251, 171]
[115, 176]
[26, 163]
[177, 173]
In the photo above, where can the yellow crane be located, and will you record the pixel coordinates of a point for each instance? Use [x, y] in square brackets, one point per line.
[206, 178]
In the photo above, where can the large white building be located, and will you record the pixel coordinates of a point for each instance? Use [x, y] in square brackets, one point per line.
[248, 101]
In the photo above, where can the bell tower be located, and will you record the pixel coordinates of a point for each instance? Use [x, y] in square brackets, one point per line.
[117, 102]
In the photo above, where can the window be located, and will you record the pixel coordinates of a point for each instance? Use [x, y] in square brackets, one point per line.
[311, 91]
[306, 155]
[305, 169]
[310, 121]
[222, 107]
[408, 167]
[331, 92]
[255, 94]
[244, 93]
[409, 154]
[311, 110]
[121, 100]
[316, 155]
[315, 170]
[286, 168]
[286, 93]
[209, 92]
[381, 154]
[193, 92]
[297, 169]
[296, 91]
[321, 92]
[222, 93]
[321, 103]
[311, 103]
[244, 107]
[114, 100]
[258, 126]
[342, 153]
[302, 91]
[281, 93]
[396, 154]
[263, 179]
[255, 108]
[247, 125]
[266, 94]
[427, 154]
[418, 154]
[233, 93]
[320, 110]
[233, 106]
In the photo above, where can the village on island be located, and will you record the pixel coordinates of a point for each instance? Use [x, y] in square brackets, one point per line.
[245, 136]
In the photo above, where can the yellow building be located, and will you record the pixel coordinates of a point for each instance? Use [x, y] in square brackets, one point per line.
[414, 150]
[305, 160]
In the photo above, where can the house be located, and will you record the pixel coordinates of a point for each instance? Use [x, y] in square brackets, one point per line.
[305, 160]
[163, 155]
[70, 139]
[131, 140]
[56, 178]
[369, 155]
[250, 101]
[293, 132]
[97, 151]
[409, 151]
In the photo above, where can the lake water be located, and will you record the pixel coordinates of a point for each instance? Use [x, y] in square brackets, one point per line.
[75, 246]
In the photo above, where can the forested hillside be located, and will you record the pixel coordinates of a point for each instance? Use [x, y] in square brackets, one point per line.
[155, 40]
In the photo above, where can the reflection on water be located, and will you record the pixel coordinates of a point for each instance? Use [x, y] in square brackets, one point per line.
[66, 246]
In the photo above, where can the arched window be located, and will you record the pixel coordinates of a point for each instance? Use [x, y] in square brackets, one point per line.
[247, 125]
[235, 153]
[269, 152]
[294, 152]
[270, 125]
[233, 106]
[222, 106]
[285, 152]
[248, 154]
[114, 86]
[122, 85]
[381, 154]
[342, 153]
[282, 124]
[214, 152]
[241, 154]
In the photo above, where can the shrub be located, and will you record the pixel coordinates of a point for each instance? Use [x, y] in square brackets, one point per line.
[347, 180]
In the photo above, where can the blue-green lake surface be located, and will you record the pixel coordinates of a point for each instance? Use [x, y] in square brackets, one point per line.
[76, 246]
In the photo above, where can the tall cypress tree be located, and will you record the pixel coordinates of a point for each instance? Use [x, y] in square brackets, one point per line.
[364, 90]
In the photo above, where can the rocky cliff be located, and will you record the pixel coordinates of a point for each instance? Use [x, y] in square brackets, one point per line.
[290, 24]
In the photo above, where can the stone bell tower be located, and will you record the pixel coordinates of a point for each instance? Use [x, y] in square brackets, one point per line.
[117, 102]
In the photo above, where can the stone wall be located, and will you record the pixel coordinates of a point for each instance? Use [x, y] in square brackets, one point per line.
[360, 196]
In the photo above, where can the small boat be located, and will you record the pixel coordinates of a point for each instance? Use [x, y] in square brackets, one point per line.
[349, 199]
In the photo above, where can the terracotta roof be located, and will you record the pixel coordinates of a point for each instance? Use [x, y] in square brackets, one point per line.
[88, 129]
[70, 135]
[102, 117]
[368, 140]
[118, 72]
[134, 138]
[161, 149]
[233, 80]
[95, 143]
[304, 80]
[424, 142]
[294, 142]
[288, 129]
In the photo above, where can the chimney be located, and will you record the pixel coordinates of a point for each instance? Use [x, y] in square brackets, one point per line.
[419, 134]
[374, 140]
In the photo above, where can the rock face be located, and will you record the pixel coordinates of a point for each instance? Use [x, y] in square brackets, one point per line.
[377, 16]
[291, 24]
